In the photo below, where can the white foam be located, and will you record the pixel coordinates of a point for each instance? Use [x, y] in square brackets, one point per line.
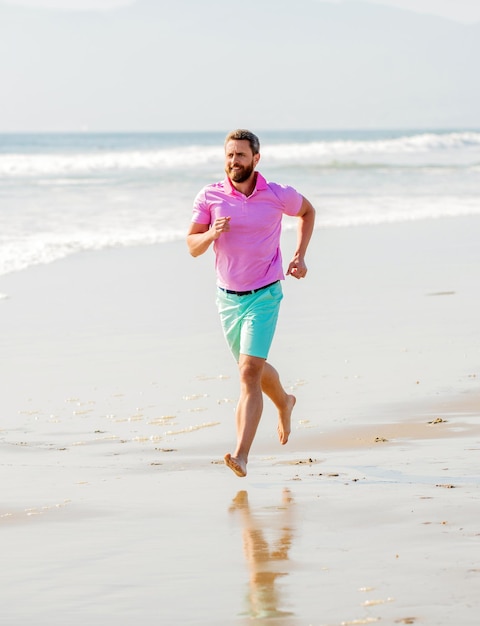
[17, 165]
[41, 248]
[98, 163]
[46, 248]
[408, 145]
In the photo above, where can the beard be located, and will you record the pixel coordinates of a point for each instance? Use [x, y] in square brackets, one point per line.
[242, 174]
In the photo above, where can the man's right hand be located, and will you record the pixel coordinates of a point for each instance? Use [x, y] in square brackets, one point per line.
[220, 225]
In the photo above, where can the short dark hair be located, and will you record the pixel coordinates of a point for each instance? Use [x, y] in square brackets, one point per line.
[241, 134]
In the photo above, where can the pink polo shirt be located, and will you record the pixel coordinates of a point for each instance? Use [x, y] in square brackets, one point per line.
[248, 256]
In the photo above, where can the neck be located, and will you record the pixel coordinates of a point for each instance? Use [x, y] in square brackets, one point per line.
[248, 186]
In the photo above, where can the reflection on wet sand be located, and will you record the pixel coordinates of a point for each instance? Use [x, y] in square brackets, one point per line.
[266, 561]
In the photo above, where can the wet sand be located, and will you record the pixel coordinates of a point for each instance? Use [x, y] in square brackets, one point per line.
[117, 407]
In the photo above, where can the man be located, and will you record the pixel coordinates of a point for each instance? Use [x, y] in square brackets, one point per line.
[242, 217]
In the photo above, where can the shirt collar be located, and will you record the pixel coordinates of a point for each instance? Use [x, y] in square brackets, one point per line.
[230, 189]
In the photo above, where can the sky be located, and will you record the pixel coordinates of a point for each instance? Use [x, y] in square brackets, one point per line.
[113, 65]
[466, 11]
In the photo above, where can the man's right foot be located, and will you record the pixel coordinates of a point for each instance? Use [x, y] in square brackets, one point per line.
[236, 465]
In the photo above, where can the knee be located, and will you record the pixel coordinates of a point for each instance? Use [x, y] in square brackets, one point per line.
[251, 371]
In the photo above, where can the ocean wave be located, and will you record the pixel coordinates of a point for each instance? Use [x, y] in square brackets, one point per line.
[413, 144]
[45, 248]
[86, 163]
[20, 253]
[324, 153]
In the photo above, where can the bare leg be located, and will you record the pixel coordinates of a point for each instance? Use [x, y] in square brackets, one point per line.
[249, 411]
[284, 402]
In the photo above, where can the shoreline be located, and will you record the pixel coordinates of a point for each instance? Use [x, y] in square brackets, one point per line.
[366, 351]
[118, 405]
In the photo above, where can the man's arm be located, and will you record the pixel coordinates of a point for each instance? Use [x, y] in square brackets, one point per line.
[306, 215]
[201, 236]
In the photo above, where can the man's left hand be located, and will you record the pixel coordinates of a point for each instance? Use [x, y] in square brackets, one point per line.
[297, 268]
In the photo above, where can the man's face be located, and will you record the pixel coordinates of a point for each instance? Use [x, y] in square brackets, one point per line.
[239, 160]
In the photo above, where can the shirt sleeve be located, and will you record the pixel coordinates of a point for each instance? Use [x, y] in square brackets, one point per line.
[289, 198]
[201, 211]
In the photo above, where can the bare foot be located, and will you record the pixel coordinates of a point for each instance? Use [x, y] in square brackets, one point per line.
[237, 466]
[284, 420]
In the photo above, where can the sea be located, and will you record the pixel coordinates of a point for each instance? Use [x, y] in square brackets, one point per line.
[61, 194]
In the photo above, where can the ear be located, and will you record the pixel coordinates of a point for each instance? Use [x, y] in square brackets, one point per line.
[256, 159]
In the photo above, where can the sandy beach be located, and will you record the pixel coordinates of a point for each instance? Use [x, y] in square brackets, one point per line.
[117, 406]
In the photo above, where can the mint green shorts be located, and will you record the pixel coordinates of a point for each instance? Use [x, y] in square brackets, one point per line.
[249, 321]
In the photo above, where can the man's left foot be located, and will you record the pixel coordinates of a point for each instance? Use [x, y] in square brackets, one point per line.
[284, 420]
